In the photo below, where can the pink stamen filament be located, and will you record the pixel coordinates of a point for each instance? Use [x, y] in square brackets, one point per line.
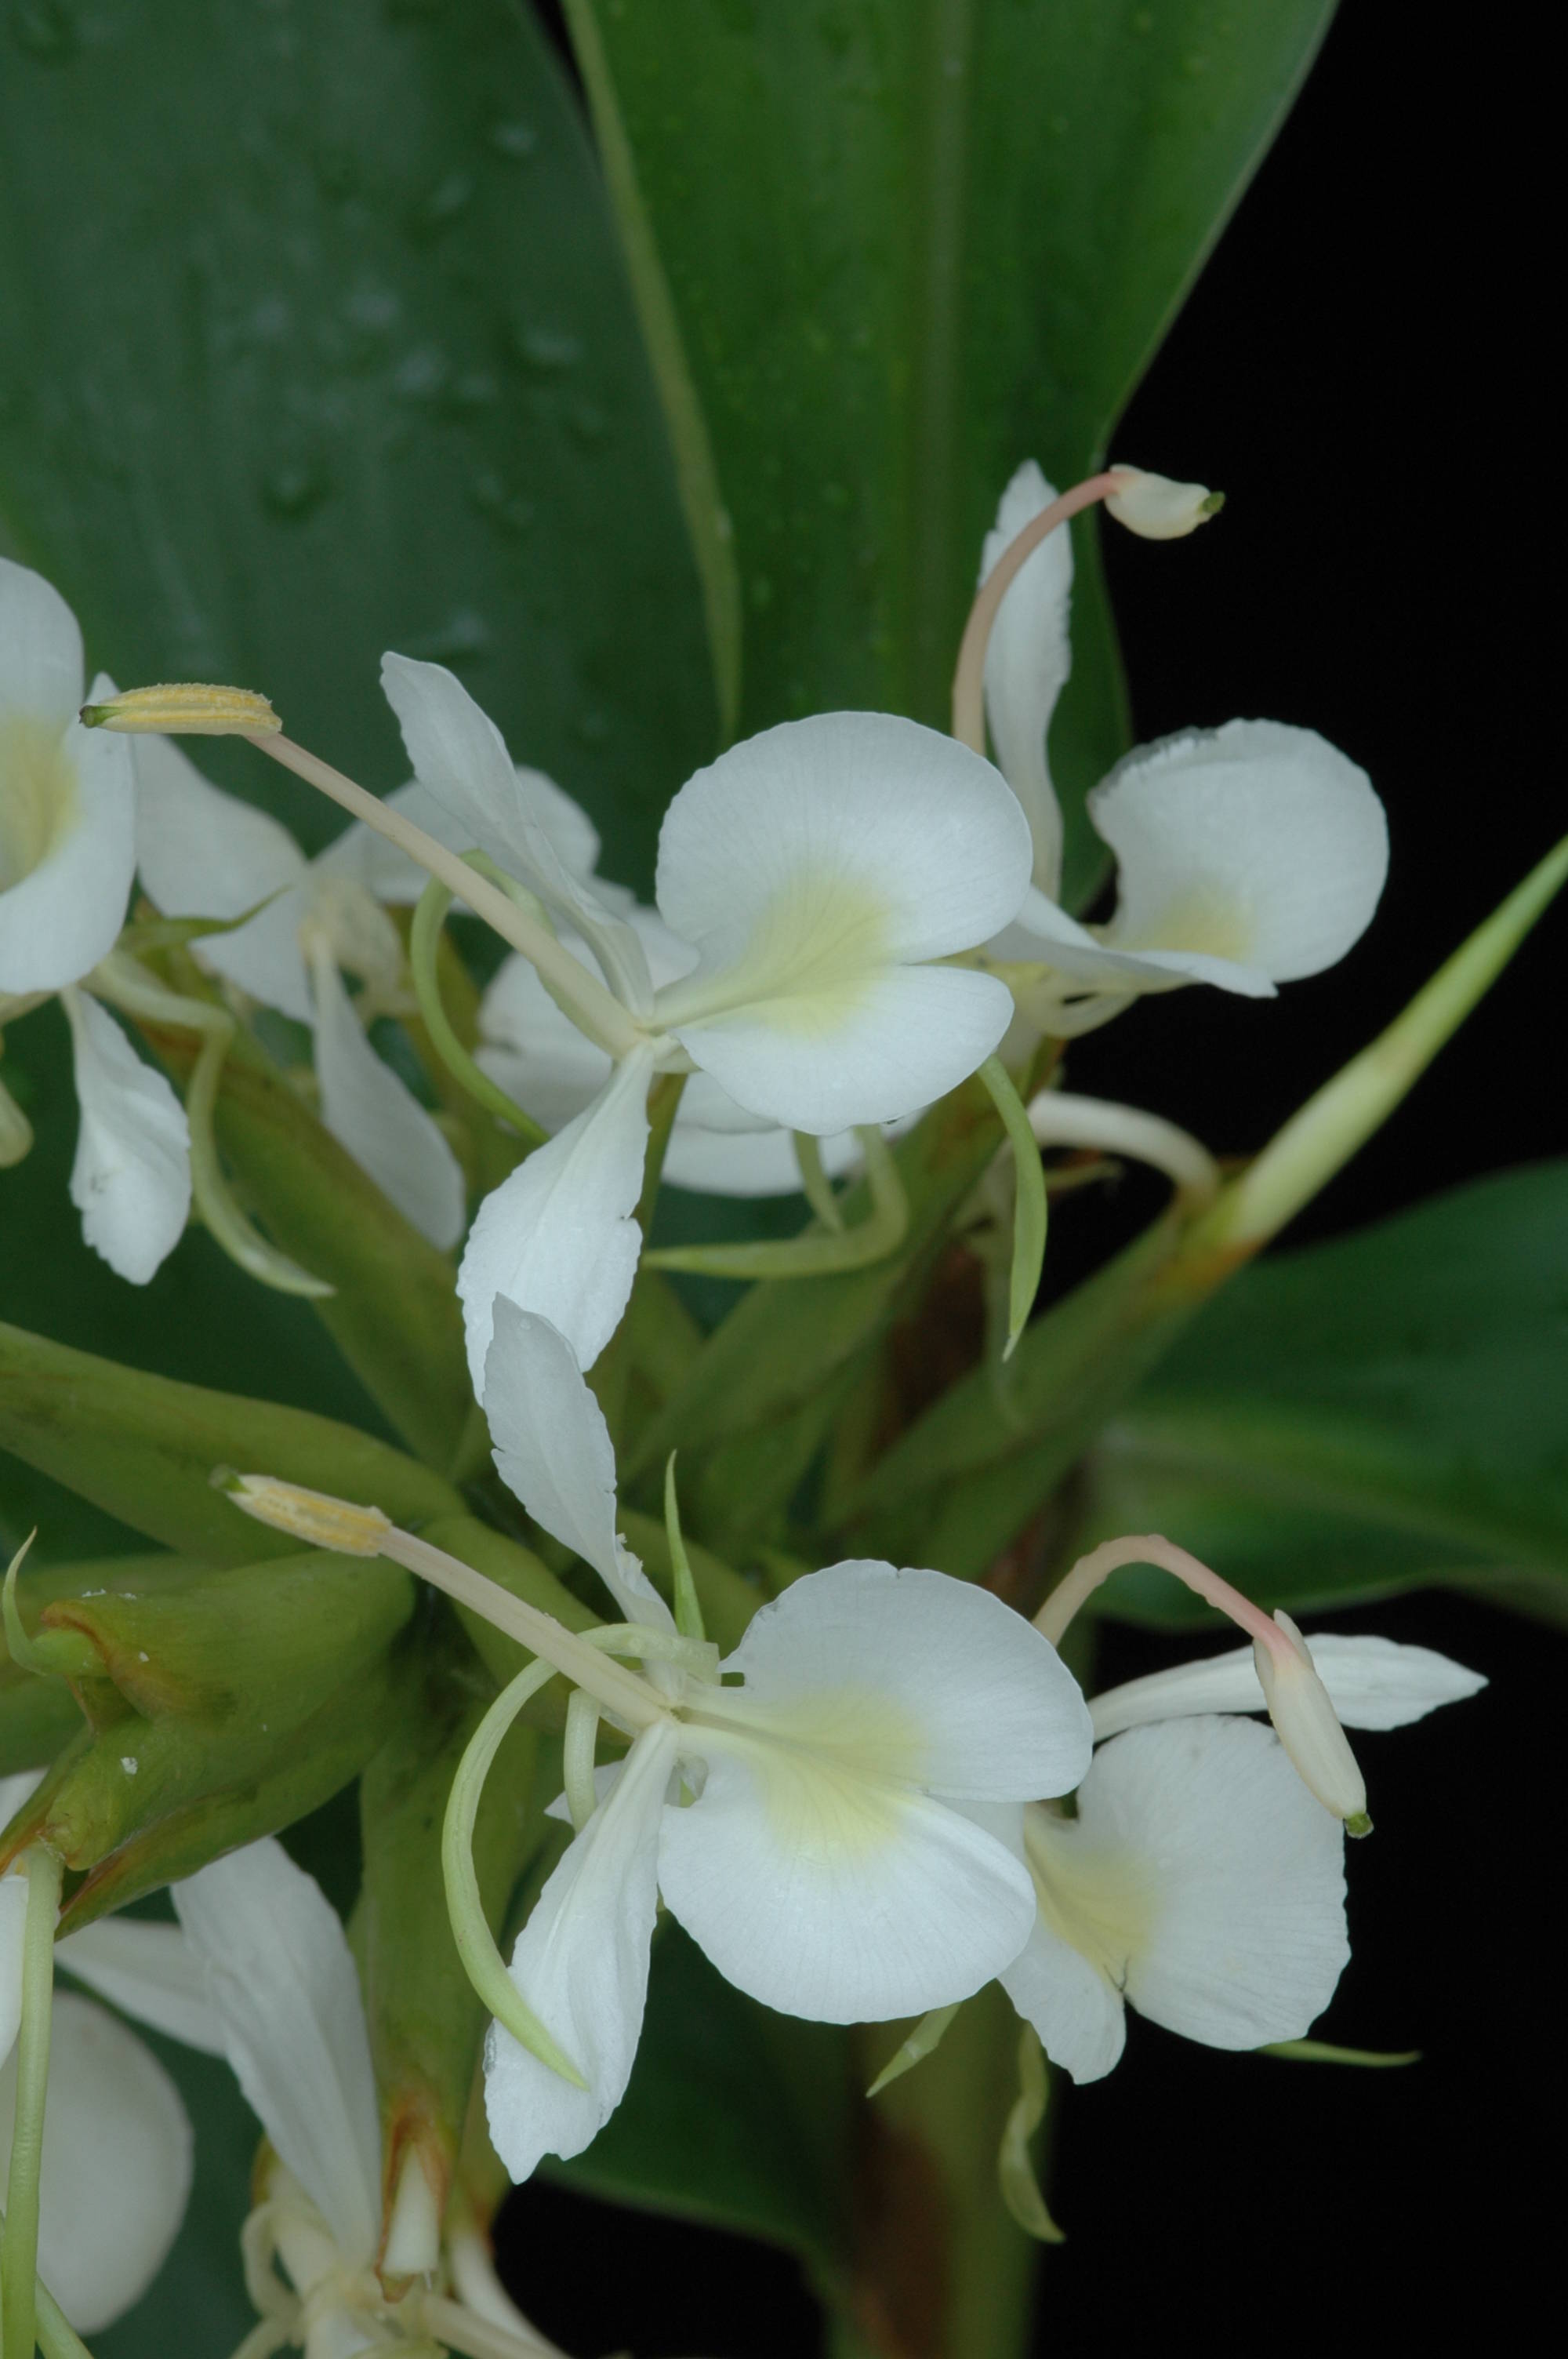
[1152, 1548]
[970, 672]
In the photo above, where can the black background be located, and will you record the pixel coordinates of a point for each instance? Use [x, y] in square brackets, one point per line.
[1362, 369]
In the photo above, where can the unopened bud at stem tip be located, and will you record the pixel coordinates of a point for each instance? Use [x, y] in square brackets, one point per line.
[1156, 508]
[185, 709]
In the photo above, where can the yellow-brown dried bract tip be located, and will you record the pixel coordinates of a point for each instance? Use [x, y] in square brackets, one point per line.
[313, 1516]
[185, 709]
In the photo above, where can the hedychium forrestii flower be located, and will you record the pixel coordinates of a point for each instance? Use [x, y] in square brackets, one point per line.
[820, 874]
[104, 2152]
[1248, 857]
[67, 857]
[805, 1807]
[1201, 1876]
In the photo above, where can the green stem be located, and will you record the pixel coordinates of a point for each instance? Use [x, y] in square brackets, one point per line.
[424, 943]
[19, 2245]
[57, 2336]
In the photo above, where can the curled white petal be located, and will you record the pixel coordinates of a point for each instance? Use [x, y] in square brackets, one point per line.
[130, 1178]
[581, 1964]
[384, 1128]
[1027, 658]
[286, 1991]
[116, 2164]
[559, 1236]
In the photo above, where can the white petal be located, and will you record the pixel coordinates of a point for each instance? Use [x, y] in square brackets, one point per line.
[558, 1237]
[534, 1051]
[385, 1129]
[1028, 660]
[1371, 1683]
[116, 2164]
[459, 756]
[1077, 2010]
[13, 1928]
[131, 1176]
[928, 1680]
[203, 853]
[40, 649]
[553, 1450]
[828, 1893]
[1212, 1879]
[581, 1964]
[286, 1993]
[813, 865]
[148, 1971]
[1255, 843]
[746, 1162]
[1044, 931]
[387, 874]
[67, 850]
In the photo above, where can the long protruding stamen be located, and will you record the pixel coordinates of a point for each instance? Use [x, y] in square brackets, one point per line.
[585, 999]
[1058, 1119]
[1305, 1718]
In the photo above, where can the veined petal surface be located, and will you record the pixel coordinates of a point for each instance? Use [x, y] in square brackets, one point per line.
[1027, 658]
[581, 1964]
[559, 1236]
[287, 1995]
[553, 1451]
[1371, 1682]
[116, 2164]
[130, 1178]
[1256, 843]
[384, 1128]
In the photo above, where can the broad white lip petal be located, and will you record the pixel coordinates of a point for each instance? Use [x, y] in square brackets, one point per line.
[1371, 1682]
[66, 861]
[41, 663]
[1244, 1874]
[970, 1701]
[116, 2164]
[553, 1450]
[459, 756]
[812, 868]
[581, 1964]
[1256, 843]
[286, 1991]
[558, 1237]
[204, 854]
[829, 1892]
[385, 1129]
[1027, 658]
[148, 1971]
[130, 1178]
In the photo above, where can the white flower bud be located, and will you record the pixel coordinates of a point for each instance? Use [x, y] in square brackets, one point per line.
[1308, 1728]
[1157, 509]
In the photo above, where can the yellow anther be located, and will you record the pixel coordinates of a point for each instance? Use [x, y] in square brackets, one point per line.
[313, 1516]
[185, 709]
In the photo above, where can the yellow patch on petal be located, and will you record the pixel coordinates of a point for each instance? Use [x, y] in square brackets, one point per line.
[1197, 922]
[1097, 1901]
[37, 795]
[834, 1767]
[816, 949]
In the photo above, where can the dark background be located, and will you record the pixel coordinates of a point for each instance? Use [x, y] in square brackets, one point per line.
[1362, 370]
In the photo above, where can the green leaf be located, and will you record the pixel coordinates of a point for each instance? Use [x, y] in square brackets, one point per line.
[734, 2116]
[318, 343]
[909, 242]
[1384, 1410]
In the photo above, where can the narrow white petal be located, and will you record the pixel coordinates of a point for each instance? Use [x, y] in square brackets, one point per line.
[581, 1964]
[287, 1996]
[873, 1049]
[559, 1236]
[1255, 843]
[1028, 660]
[116, 2164]
[1203, 1876]
[829, 1892]
[385, 1129]
[67, 849]
[1076, 2009]
[1371, 1683]
[203, 853]
[148, 1971]
[40, 649]
[553, 1450]
[131, 1176]
[459, 756]
[923, 1679]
